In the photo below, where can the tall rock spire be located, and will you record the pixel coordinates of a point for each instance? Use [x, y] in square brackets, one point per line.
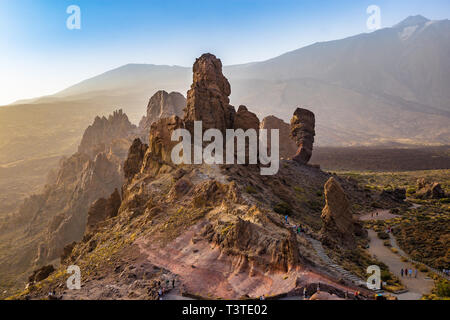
[208, 99]
[302, 131]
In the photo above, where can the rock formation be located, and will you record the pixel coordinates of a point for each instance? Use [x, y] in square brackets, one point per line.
[41, 274]
[99, 136]
[162, 105]
[429, 190]
[287, 146]
[215, 229]
[95, 171]
[160, 144]
[397, 194]
[338, 224]
[208, 99]
[302, 131]
[136, 154]
[103, 209]
[245, 119]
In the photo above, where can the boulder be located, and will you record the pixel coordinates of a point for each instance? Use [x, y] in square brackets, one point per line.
[338, 224]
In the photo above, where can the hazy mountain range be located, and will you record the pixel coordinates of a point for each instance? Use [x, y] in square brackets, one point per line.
[385, 87]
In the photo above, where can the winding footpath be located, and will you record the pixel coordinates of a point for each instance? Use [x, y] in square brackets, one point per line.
[416, 287]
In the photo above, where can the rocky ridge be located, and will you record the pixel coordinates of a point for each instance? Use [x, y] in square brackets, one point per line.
[219, 230]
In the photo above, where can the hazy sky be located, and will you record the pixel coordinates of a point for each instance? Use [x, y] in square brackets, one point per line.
[39, 55]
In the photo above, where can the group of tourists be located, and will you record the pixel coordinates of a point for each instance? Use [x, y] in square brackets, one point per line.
[409, 272]
[162, 290]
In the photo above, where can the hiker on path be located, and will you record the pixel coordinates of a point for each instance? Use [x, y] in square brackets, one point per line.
[286, 218]
[401, 272]
[410, 273]
[173, 283]
[415, 275]
[304, 293]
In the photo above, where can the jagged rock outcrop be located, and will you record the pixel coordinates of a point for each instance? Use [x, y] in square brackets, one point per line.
[397, 194]
[429, 190]
[338, 224]
[245, 119]
[41, 274]
[208, 99]
[162, 105]
[215, 228]
[103, 209]
[99, 136]
[95, 171]
[303, 132]
[158, 156]
[287, 146]
[133, 163]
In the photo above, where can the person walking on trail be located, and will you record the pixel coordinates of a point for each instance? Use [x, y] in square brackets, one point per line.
[410, 273]
[416, 273]
[286, 218]
[304, 293]
[173, 283]
[401, 272]
[160, 293]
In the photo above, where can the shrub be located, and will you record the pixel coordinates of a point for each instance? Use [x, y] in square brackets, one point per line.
[387, 243]
[383, 235]
[422, 268]
[250, 190]
[443, 288]
[282, 208]
[386, 275]
[376, 205]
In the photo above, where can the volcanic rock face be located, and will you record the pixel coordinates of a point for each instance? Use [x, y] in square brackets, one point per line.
[208, 99]
[215, 227]
[103, 209]
[136, 154]
[41, 274]
[162, 105]
[245, 120]
[338, 224]
[287, 146]
[93, 172]
[99, 136]
[302, 131]
[158, 155]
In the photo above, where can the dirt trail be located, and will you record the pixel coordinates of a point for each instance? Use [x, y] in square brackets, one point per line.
[378, 215]
[417, 286]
